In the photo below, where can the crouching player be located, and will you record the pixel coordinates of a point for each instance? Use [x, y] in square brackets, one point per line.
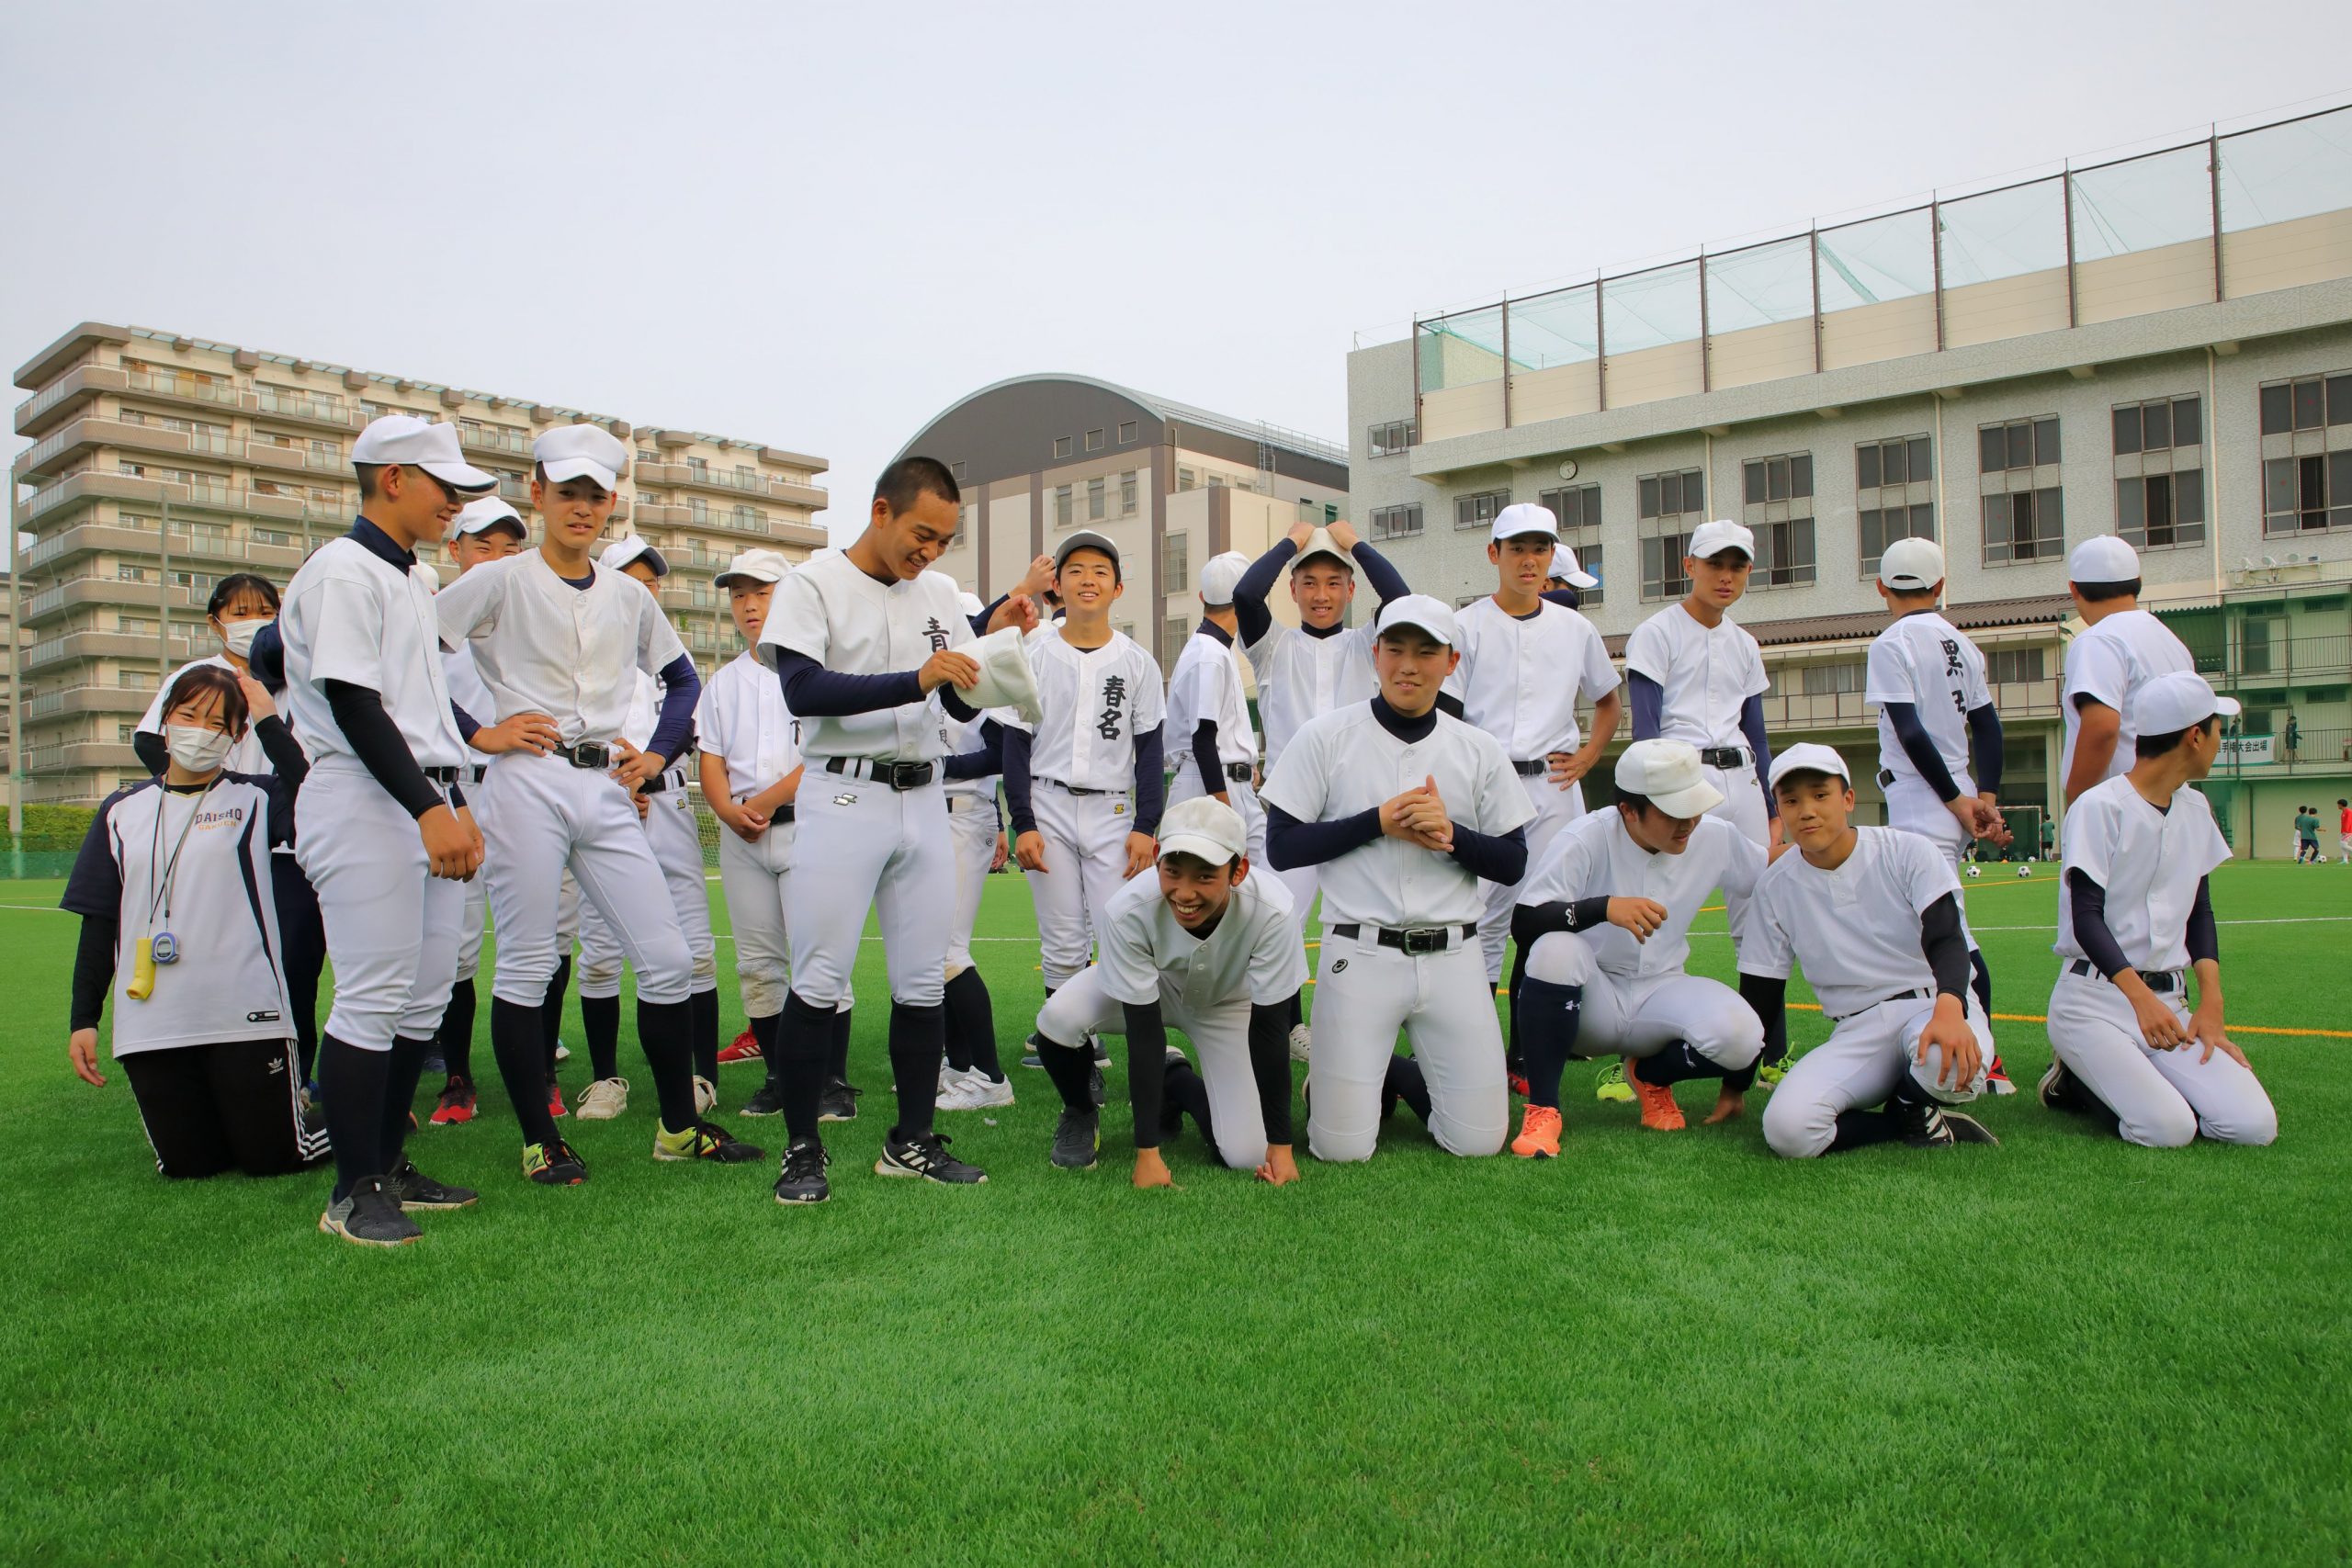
[1605, 918]
[1872, 914]
[1206, 946]
[2137, 912]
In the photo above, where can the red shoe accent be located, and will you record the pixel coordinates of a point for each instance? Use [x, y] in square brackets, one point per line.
[555, 1100]
[1518, 1085]
[744, 1048]
[456, 1103]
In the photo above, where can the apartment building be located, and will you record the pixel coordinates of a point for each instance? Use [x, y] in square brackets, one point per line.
[2159, 346]
[1171, 485]
[161, 463]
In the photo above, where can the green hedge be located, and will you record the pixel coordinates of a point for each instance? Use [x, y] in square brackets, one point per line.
[55, 827]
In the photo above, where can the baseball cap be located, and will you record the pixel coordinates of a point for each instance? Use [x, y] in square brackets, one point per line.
[1087, 539]
[2170, 702]
[968, 601]
[1669, 773]
[754, 566]
[489, 513]
[1713, 538]
[425, 444]
[574, 451]
[1568, 569]
[1809, 757]
[1220, 575]
[2105, 558]
[1320, 543]
[1524, 517]
[1204, 827]
[1006, 681]
[1910, 566]
[629, 548]
[1419, 610]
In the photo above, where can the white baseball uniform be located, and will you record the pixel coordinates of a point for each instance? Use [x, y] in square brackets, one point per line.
[1856, 930]
[1206, 684]
[2108, 663]
[467, 692]
[1925, 660]
[1520, 679]
[2149, 862]
[972, 828]
[1705, 675]
[674, 835]
[1301, 673]
[1081, 783]
[1205, 988]
[1638, 997]
[1412, 962]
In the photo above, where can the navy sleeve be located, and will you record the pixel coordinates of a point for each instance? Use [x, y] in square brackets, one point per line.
[1650, 706]
[1147, 1068]
[359, 713]
[681, 689]
[1385, 580]
[154, 752]
[1291, 842]
[1944, 940]
[1204, 756]
[2089, 903]
[1270, 1065]
[285, 752]
[94, 885]
[266, 659]
[2204, 940]
[1491, 857]
[1529, 922]
[1151, 779]
[94, 961]
[1984, 748]
[1017, 782]
[959, 710]
[987, 613]
[811, 690]
[1751, 724]
[467, 724]
[1250, 593]
[1903, 719]
[986, 762]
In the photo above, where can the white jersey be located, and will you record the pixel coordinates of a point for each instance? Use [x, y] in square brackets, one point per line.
[1854, 929]
[963, 735]
[464, 683]
[828, 610]
[1925, 660]
[1595, 857]
[2108, 663]
[1340, 764]
[1301, 674]
[1207, 684]
[353, 616]
[1096, 701]
[246, 754]
[2149, 862]
[1254, 955]
[543, 646]
[1705, 675]
[226, 984]
[741, 719]
[1520, 677]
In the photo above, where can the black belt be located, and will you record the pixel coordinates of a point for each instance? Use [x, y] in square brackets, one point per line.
[1238, 771]
[662, 781]
[587, 754]
[1886, 777]
[1415, 939]
[444, 775]
[1074, 789]
[898, 775]
[1536, 769]
[1898, 997]
[2157, 979]
[474, 773]
[1723, 756]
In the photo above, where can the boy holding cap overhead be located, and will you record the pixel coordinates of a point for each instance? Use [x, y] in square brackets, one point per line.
[2138, 912]
[2121, 650]
[1206, 946]
[1874, 916]
[1207, 712]
[1407, 809]
[1695, 675]
[560, 638]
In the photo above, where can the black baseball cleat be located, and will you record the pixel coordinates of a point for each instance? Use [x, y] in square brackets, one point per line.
[2058, 1090]
[839, 1102]
[802, 1180]
[926, 1157]
[1076, 1138]
[1936, 1128]
[370, 1216]
[412, 1189]
[1968, 1128]
[766, 1101]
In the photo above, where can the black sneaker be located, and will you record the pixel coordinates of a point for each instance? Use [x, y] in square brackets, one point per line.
[927, 1157]
[1094, 1083]
[412, 1189]
[766, 1101]
[1077, 1137]
[554, 1164]
[1030, 1058]
[1102, 1052]
[802, 1180]
[1933, 1127]
[370, 1216]
[1968, 1128]
[839, 1102]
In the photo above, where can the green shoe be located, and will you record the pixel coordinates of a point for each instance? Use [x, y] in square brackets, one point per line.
[553, 1164]
[1772, 1073]
[1613, 1085]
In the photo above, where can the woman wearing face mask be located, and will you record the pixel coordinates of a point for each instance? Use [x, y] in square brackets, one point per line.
[175, 927]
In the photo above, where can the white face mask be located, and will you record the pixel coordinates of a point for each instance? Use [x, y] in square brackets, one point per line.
[239, 636]
[200, 751]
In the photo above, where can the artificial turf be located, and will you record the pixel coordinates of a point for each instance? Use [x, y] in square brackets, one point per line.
[1669, 1348]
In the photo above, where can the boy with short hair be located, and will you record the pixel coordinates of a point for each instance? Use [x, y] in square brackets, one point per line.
[2121, 648]
[1207, 712]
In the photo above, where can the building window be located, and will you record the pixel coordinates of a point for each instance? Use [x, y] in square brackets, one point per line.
[1667, 495]
[1778, 479]
[1388, 439]
[2159, 473]
[1577, 506]
[2306, 404]
[1094, 441]
[1881, 525]
[2024, 526]
[2014, 666]
[2307, 494]
[1396, 521]
[1832, 680]
[2162, 424]
[1127, 433]
[2024, 514]
[1589, 558]
[1128, 493]
[1062, 511]
[1061, 446]
[1176, 563]
[1777, 502]
[1479, 511]
[1906, 460]
[1783, 554]
[1187, 479]
[958, 471]
[2019, 444]
[1895, 494]
[1667, 507]
[1095, 498]
[1172, 638]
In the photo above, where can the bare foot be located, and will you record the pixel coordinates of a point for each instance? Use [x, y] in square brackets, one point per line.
[1729, 1103]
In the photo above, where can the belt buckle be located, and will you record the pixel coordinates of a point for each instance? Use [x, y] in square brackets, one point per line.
[1426, 939]
[903, 776]
[592, 754]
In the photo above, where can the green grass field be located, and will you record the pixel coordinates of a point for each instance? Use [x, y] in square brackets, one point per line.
[1655, 1348]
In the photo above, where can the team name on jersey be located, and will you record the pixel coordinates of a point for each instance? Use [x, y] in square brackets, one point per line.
[1115, 701]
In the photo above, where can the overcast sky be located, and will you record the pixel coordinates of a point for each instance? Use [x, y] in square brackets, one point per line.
[816, 227]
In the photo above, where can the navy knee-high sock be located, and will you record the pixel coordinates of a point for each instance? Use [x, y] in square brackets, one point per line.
[1671, 1066]
[552, 1012]
[519, 1039]
[663, 1032]
[1404, 1081]
[916, 1036]
[454, 1039]
[352, 1081]
[600, 1026]
[837, 1051]
[704, 1006]
[971, 1026]
[804, 1033]
[400, 1079]
[1070, 1067]
[763, 1030]
[1550, 1017]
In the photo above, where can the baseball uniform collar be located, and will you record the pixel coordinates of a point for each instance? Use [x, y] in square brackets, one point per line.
[1398, 724]
[1337, 628]
[1211, 629]
[377, 543]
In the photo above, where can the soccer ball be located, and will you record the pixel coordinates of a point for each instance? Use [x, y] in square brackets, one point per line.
[2024, 870]
[1974, 872]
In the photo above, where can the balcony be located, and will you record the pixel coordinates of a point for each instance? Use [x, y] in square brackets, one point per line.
[655, 515]
[2293, 660]
[89, 485]
[93, 698]
[499, 438]
[293, 459]
[62, 396]
[87, 540]
[92, 589]
[768, 487]
[57, 454]
[80, 754]
[106, 645]
[210, 392]
[312, 409]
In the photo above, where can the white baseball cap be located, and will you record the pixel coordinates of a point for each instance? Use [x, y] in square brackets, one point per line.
[1524, 517]
[1320, 543]
[1006, 681]
[489, 513]
[420, 442]
[629, 548]
[2167, 704]
[1088, 539]
[1911, 566]
[969, 602]
[1220, 575]
[1809, 757]
[572, 451]
[1419, 610]
[1568, 569]
[1669, 773]
[1710, 539]
[754, 566]
[2105, 558]
[1204, 827]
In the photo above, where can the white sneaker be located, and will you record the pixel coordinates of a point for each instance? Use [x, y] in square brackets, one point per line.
[705, 1095]
[948, 1077]
[601, 1100]
[562, 1051]
[1302, 1039]
[977, 1092]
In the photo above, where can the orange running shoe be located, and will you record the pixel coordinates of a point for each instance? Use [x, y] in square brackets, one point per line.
[1539, 1133]
[1660, 1113]
[457, 1102]
[745, 1047]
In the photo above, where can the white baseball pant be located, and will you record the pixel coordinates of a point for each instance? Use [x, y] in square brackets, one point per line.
[1555, 809]
[541, 814]
[752, 878]
[672, 834]
[1242, 796]
[1086, 862]
[1220, 1037]
[863, 845]
[1743, 802]
[1640, 1016]
[474, 921]
[1865, 1056]
[1442, 1003]
[391, 925]
[2163, 1099]
[1913, 808]
[971, 832]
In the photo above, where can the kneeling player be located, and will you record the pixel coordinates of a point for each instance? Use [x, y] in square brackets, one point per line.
[2137, 912]
[1206, 946]
[1874, 916]
[1604, 918]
